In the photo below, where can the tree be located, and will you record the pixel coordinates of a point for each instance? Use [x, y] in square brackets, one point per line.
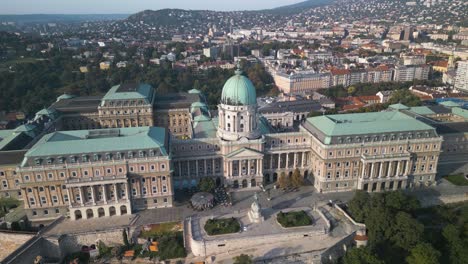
[456, 245]
[423, 253]
[358, 205]
[405, 97]
[243, 259]
[297, 179]
[406, 231]
[206, 184]
[362, 255]
[351, 90]
[283, 180]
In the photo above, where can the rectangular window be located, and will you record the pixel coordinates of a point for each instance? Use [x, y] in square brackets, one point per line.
[155, 190]
[54, 199]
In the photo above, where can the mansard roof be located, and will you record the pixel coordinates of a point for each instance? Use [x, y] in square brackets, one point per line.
[130, 91]
[98, 141]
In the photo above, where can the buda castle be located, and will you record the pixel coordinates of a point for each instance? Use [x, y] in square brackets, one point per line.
[132, 149]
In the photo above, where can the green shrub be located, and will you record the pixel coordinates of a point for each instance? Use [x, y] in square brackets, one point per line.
[222, 226]
[293, 219]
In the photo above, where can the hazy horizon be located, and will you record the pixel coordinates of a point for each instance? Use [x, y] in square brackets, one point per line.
[64, 7]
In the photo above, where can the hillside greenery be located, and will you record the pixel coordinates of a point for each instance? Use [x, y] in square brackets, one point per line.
[400, 231]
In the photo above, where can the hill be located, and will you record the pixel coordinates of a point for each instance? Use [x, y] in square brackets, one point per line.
[302, 5]
[46, 18]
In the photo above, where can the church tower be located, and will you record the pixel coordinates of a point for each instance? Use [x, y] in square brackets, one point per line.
[237, 110]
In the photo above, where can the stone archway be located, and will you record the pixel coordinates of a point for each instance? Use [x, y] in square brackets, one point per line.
[123, 210]
[235, 184]
[275, 177]
[89, 214]
[306, 174]
[253, 183]
[112, 211]
[78, 215]
[244, 183]
[218, 181]
[101, 212]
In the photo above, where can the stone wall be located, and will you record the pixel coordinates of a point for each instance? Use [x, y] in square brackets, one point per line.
[214, 247]
[70, 243]
[10, 241]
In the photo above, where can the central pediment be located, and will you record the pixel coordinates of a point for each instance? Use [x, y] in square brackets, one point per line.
[244, 153]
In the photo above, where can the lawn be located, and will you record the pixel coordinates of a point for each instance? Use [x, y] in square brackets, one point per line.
[294, 219]
[222, 226]
[457, 179]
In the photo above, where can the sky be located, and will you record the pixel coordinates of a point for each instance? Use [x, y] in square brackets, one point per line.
[129, 6]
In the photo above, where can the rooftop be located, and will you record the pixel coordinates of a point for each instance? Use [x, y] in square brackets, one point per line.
[366, 123]
[129, 91]
[99, 140]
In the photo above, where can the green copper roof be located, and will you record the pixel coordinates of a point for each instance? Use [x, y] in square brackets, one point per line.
[65, 97]
[238, 90]
[99, 140]
[129, 92]
[399, 107]
[460, 112]
[366, 123]
[194, 91]
[422, 110]
[450, 104]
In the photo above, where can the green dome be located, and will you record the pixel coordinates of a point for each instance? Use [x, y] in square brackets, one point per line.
[238, 90]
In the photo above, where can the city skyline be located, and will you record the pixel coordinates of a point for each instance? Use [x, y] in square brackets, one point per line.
[20, 7]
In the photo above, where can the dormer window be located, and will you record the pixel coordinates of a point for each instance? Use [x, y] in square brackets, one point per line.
[130, 154]
[108, 156]
[141, 154]
[84, 158]
[38, 161]
[50, 160]
[119, 155]
[61, 160]
[151, 153]
[72, 159]
[96, 157]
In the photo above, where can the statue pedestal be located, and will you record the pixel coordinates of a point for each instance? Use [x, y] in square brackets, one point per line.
[255, 217]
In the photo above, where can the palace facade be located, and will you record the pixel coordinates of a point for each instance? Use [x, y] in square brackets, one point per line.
[106, 158]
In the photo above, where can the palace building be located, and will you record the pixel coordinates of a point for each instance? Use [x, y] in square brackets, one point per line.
[106, 157]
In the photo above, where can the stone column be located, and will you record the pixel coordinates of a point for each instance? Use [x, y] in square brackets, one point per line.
[188, 169]
[196, 167]
[81, 195]
[295, 160]
[240, 167]
[271, 162]
[205, 167]
[213, 163]
[248, 167]
[259, 167]
[104, 194]
[60, 194]
[302, 159]
[381, 169]
[407, 168]
[69, 198]
[116, 195]
[126, 191]
[372, 170]
[389, 174]
[363, 173]
[287, 161]
[279, 161]
[93, 196]
[179, 166]
[397, 173]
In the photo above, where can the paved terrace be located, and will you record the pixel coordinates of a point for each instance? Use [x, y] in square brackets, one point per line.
[268, 227]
